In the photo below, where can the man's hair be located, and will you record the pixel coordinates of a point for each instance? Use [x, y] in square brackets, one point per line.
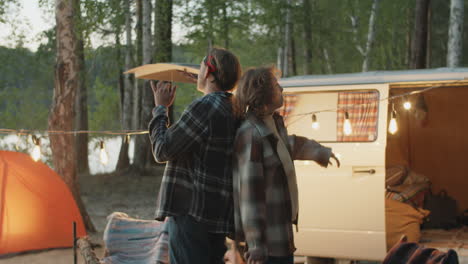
[255, 91]
[228, 69]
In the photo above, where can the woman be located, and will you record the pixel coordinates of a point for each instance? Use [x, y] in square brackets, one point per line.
[264, 179]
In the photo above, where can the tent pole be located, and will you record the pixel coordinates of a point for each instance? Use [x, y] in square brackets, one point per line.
[74, 242]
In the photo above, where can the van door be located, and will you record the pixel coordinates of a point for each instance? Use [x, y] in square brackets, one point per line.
[341, 210]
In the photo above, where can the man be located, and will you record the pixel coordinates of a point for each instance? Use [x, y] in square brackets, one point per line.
[196, 189]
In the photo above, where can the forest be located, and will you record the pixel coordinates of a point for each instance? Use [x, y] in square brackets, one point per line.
[300, 37]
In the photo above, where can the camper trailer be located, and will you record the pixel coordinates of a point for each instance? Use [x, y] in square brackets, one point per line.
[390, 129]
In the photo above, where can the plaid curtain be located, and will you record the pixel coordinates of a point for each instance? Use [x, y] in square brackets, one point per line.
[362, 108]
[289, 102]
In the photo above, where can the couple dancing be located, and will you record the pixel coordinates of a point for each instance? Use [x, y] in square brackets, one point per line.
[230, 167]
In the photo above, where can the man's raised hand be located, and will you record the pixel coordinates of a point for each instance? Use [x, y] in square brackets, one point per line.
[164, 93]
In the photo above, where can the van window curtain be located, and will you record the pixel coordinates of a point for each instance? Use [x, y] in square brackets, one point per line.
[363, 110]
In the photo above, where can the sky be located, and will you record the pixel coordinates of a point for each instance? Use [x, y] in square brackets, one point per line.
[28, 21]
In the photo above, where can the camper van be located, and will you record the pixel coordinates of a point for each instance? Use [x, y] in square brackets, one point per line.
[377, 123]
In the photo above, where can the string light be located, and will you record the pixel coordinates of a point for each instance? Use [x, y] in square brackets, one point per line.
[347, 129]
[17, 142]
[393, 126]
[103, 154]
[315, 123]
[36, 152]
[407, 104]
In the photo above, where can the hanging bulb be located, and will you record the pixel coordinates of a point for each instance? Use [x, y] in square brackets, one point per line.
[18, 138]
[347, 129]
[127, 138]
[103, 154]
[393, 126]
[36, 152]
[315, 123]
[407, 104]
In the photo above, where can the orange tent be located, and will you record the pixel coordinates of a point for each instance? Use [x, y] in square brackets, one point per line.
[37, 209]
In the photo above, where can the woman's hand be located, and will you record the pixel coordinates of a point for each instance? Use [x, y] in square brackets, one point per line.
[336, 160]
[255, 256]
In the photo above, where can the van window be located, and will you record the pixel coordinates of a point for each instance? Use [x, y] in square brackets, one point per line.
[331, 109]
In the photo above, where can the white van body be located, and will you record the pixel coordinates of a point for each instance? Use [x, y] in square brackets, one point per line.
[342, 210]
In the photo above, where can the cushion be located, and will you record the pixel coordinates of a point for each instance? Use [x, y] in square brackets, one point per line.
[395, 175]
[402, 219]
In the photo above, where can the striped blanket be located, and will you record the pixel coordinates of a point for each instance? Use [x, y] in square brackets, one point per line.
[135, 241]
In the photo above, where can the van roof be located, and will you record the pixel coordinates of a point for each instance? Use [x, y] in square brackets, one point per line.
[392, 77]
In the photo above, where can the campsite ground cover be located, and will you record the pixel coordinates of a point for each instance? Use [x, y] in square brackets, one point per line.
[103, 194]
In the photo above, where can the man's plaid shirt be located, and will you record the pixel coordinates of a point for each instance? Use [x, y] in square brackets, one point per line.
[262, 204]
[198, 150]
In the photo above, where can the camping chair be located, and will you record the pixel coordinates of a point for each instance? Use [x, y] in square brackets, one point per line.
[130, 241]
[413, 253]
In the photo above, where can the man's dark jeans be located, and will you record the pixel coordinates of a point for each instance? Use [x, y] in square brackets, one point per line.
[191, 243]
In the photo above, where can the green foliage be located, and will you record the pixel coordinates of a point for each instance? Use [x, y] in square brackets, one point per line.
[252, 29]
[26, 85]
[105, 114]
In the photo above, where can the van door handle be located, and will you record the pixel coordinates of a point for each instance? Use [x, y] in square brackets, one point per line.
[371, 171]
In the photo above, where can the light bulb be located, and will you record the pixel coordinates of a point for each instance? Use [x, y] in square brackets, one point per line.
[103, 154]
[393, 126]
[315, 123]
[407, 105]
[347, 129]
[17, 143]
[36, 153]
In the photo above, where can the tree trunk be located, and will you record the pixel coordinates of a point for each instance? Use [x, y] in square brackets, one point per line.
[292, 57]
[455, 37]
[327, 60]
[419, 39]
[210, 37]
[287, 40]
[86, 250]
[279, 59]
[163, 37]
[370, 35]
[124, 160]
[408, 41]
[62, 116]
[307, 35]
[139, 58]
[163, 31]
[142, 143]
[81, 106]
[225, 25]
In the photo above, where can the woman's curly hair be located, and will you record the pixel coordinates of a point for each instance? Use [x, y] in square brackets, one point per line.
[255, 90]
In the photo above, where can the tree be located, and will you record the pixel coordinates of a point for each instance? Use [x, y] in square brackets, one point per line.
[142, 144]
[163, 37]
[307, 36]
[420, 34]
[287, 59]
[124, 160]
[370, 35]
[81, 105]
[139, 59]
[455, 36]
[61, 118]
[365, 52]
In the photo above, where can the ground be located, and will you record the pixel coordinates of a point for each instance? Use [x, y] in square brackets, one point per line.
[103, 194]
